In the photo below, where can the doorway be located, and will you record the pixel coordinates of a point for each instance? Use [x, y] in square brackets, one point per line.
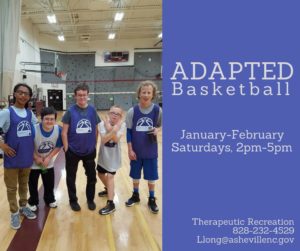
[55, 99]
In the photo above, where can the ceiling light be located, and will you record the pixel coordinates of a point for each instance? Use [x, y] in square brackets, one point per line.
[111, 35]
[61, 37]
[119, 16]
[51, 19]
[160, 35]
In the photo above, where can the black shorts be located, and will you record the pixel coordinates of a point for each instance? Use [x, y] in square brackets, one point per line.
[100, 169]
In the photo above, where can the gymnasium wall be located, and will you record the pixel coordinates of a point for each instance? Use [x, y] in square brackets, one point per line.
[108, 85]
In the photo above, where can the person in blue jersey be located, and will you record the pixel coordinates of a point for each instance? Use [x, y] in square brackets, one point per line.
[109, 158]
[47, 143]
[79, 136]
[143, 122]
[17, 124]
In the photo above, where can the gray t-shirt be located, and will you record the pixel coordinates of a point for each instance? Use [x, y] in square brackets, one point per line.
[110, 157]
[129, 116]
[5, 117]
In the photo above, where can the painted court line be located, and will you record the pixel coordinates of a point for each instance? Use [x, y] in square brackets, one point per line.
[111, 240]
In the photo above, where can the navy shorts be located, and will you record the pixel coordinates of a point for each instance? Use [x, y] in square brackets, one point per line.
[149, 166]
[100, 169]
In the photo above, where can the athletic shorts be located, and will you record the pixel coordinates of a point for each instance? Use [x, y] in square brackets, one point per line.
[149, 166]
[100, 169]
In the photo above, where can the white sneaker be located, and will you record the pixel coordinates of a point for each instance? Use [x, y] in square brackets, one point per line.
[53, 204]
[33, 208]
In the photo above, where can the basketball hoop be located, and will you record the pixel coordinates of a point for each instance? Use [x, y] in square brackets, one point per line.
[62, 75]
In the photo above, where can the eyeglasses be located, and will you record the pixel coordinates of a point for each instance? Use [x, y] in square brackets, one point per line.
[26, 94]
[115, 114]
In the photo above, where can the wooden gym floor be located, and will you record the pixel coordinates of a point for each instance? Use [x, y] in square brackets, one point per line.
[134, 228]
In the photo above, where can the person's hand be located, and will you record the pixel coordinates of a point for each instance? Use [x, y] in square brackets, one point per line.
[117, 126]
[45, 162]
[38, 160]
[107, 124]
[10, 152]
[155, 131]
[132, 155]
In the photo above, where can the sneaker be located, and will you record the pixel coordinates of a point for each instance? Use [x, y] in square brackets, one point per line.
[91, 205]
[53, 204]
[108, 209]
[33, 208]
[152, 205]
[27, 213]
[135, 198]
[75, 206]
[15, 221]
[103, 193]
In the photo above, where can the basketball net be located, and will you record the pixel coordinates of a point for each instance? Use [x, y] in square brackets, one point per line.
[62, 75]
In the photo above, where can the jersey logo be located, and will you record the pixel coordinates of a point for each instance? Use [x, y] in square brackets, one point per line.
[144, 124]
[46, 147]
[83, 126]
[23, 129]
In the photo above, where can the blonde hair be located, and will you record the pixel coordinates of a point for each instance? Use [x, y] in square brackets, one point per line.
[116, 106]
[147, 83]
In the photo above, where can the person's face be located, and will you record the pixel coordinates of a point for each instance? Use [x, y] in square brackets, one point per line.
[22, 96]
[81, 98]
[48, 122]
[146, 95]
[115, 114]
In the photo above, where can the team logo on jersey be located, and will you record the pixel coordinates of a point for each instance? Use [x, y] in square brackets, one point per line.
[23, 129]
[46, 147]
[83, 126]
[144, 124]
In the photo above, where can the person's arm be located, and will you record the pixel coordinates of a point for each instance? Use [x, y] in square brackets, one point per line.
[64, 136]
[10, 152]
[107, 124]
[115, 134]
[97, 134]
[131, 153]
[37, 159]
[105, 134]
[129, 119]
[66, 119]
[119, 131]
[4, 120]
[4, 124]
[98, 121]
[50, 156]
[106, 137]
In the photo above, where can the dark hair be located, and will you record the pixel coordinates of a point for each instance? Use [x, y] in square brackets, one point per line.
[81, 87]
[17, 87]
[48, 111]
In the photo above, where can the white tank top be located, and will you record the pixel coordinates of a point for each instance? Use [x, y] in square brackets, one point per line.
[45, 145]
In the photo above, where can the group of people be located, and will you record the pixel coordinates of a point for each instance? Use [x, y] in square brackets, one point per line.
[29, 149]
